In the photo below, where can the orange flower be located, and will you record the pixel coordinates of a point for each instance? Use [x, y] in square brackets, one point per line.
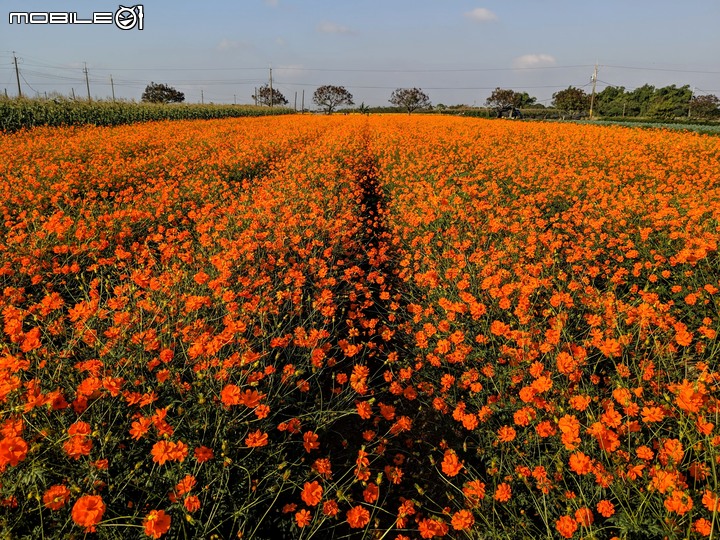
[162, 452]
[312, 493]
[203, 454]
[330, 508]
[310, 441]
[358, 517]
[364, 409]
[506, 434]
[88, 511]
[503, 492]
[566, 526]
[652, 414]
[605, 508]
[192, 503]
[256, 439]
[584, 517]
[56, 497]
[462, 520]
[474, 492]
[451, 465]
[580, 463]
[432, 527]
[12, 451]
[156, 523]
[185, 485]
[230, 395]
[370, 493]
[702, 526]
[303, 518]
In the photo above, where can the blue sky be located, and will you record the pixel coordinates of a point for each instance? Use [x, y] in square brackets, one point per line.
[456, 50]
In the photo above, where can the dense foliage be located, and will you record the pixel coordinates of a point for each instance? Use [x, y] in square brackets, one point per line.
[17, 114]
[161, 93]
[400, 327]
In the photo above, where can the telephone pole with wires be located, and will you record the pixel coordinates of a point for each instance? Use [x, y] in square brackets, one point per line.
[592, 96]
[87, 82]
[17, 75]
[271, 92]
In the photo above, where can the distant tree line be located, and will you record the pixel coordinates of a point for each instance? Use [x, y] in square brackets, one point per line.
[665, 103]
[647, 101]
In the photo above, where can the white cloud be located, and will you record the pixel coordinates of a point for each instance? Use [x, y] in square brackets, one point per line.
[231, 45]
[481, 15]
[280, 41]
[328, 27]
[533, 61]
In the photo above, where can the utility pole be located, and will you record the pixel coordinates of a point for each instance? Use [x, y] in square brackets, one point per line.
[303, 101]
[73, 93]
[87, 82]
[690, 103]
[255, 96]
[592, 96]
[17, 75]
[112, 85]
[202, 97]
[271, 93]
[295, 101]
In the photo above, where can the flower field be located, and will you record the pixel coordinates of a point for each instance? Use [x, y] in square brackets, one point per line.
[359, 327]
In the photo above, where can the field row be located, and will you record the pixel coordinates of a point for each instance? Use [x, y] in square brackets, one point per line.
[398, 327]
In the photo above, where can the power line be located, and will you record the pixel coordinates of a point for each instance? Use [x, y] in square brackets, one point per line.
[664, 69]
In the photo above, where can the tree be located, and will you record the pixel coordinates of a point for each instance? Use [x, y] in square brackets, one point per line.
[330, 97]
[410, 99]
[707, 106]
[265, 97]
[571, 100]
[670, 102]
[611, 101]
[161, 93]
[505, 99]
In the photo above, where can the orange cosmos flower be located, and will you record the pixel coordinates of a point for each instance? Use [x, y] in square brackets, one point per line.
[56, 497]
[156, 523]
[358, 517]
[230, 395]
[312, 493]
[702, 526]
[580, 463]
[330, 508]
[451, 465]
[566, 526]
[203, 454]
[503, 492]
[652, 414]
[310, 441]
[162, 452]
[256, 439]
[88, 511]
[12, 451]
[584, 517]
[605, 508]
[506, 434]
[462, 520]
[185, 485]
[192, 503]
[303, 518]
[371, 493]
